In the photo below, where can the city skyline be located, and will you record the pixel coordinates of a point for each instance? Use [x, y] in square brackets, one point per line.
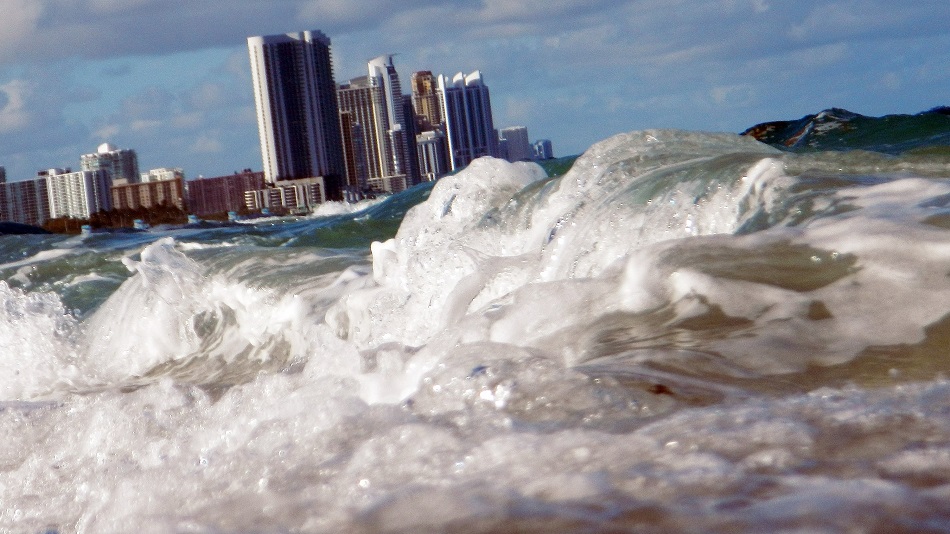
[173, 81]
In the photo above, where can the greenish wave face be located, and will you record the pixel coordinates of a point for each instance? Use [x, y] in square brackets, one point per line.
[924, 133]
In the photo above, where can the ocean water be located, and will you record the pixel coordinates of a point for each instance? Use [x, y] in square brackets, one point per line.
[683, 332]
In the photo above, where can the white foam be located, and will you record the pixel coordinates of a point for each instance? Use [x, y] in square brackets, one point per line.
[37, 343]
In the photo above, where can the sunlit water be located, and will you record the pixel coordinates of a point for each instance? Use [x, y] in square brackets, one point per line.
[685, 332]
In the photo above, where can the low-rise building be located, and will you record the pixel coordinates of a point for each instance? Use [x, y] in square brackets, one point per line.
[293, 196]
[148, 194]
[221, 194]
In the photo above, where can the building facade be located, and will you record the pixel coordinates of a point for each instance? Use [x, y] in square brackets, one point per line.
[288, 196]
[117, 163]
[543, 149]
[373, 120]
[163, 174]
[425, 101]
[517, 146]
[77, 195]
[432, 154]
[467, 118]
[221, 194]
[297, 113]
[148, 194]
[25, 202]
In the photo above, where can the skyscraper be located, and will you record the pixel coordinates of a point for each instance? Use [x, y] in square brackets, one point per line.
[26, 201]
[372, 110]
[118, 163]
[467, 118]
[425, 100]
[543, 149]
[517, 146]
[297, 113]
[78, 194]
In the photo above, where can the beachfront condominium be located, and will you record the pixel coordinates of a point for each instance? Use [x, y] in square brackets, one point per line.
[543, 149]
[117, 163]
[297, 114]
[78, 194]
[25, 201]
[467, 118]
[516, 144]
[425, 101]
[373, 120]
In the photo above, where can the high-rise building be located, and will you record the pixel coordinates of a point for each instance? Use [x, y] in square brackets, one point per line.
[297, 114]
[425, 101]
[517, 146]
[373, 117]
[354, 152]
[433, 159]
[409, 139]
[79, 194]
[117, 163]
[543, 149]
[25, 202]
[467, 118]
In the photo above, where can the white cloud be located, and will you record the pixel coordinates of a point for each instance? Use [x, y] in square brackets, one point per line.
[13, 113]
[107, 132]
[207, 144]
[20, 23]
[141, 125]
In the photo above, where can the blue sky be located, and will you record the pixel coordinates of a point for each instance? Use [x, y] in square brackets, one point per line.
[170, 78]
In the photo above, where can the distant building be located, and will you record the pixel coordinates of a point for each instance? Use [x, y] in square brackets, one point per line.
[297, 114]
[543, 149]
[467, 118]
[149, 194]
[517, 146]
[409, 138]
[373, 120]
[354, 153]
[77, 195]
[163, 174]
[425, 101]
[221, 194]
[118, 164]
[294, 196]
[432, 155]
[25, 202]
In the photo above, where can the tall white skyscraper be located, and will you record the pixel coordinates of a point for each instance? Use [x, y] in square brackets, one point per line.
[297, 113]
[382, 72]
[467, 118]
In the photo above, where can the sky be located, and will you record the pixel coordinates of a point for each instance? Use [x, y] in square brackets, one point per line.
[171, 78]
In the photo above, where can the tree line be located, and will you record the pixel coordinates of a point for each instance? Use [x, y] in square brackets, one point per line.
[118, 218]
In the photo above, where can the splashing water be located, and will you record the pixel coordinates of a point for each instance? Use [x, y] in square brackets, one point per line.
[685, 331]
